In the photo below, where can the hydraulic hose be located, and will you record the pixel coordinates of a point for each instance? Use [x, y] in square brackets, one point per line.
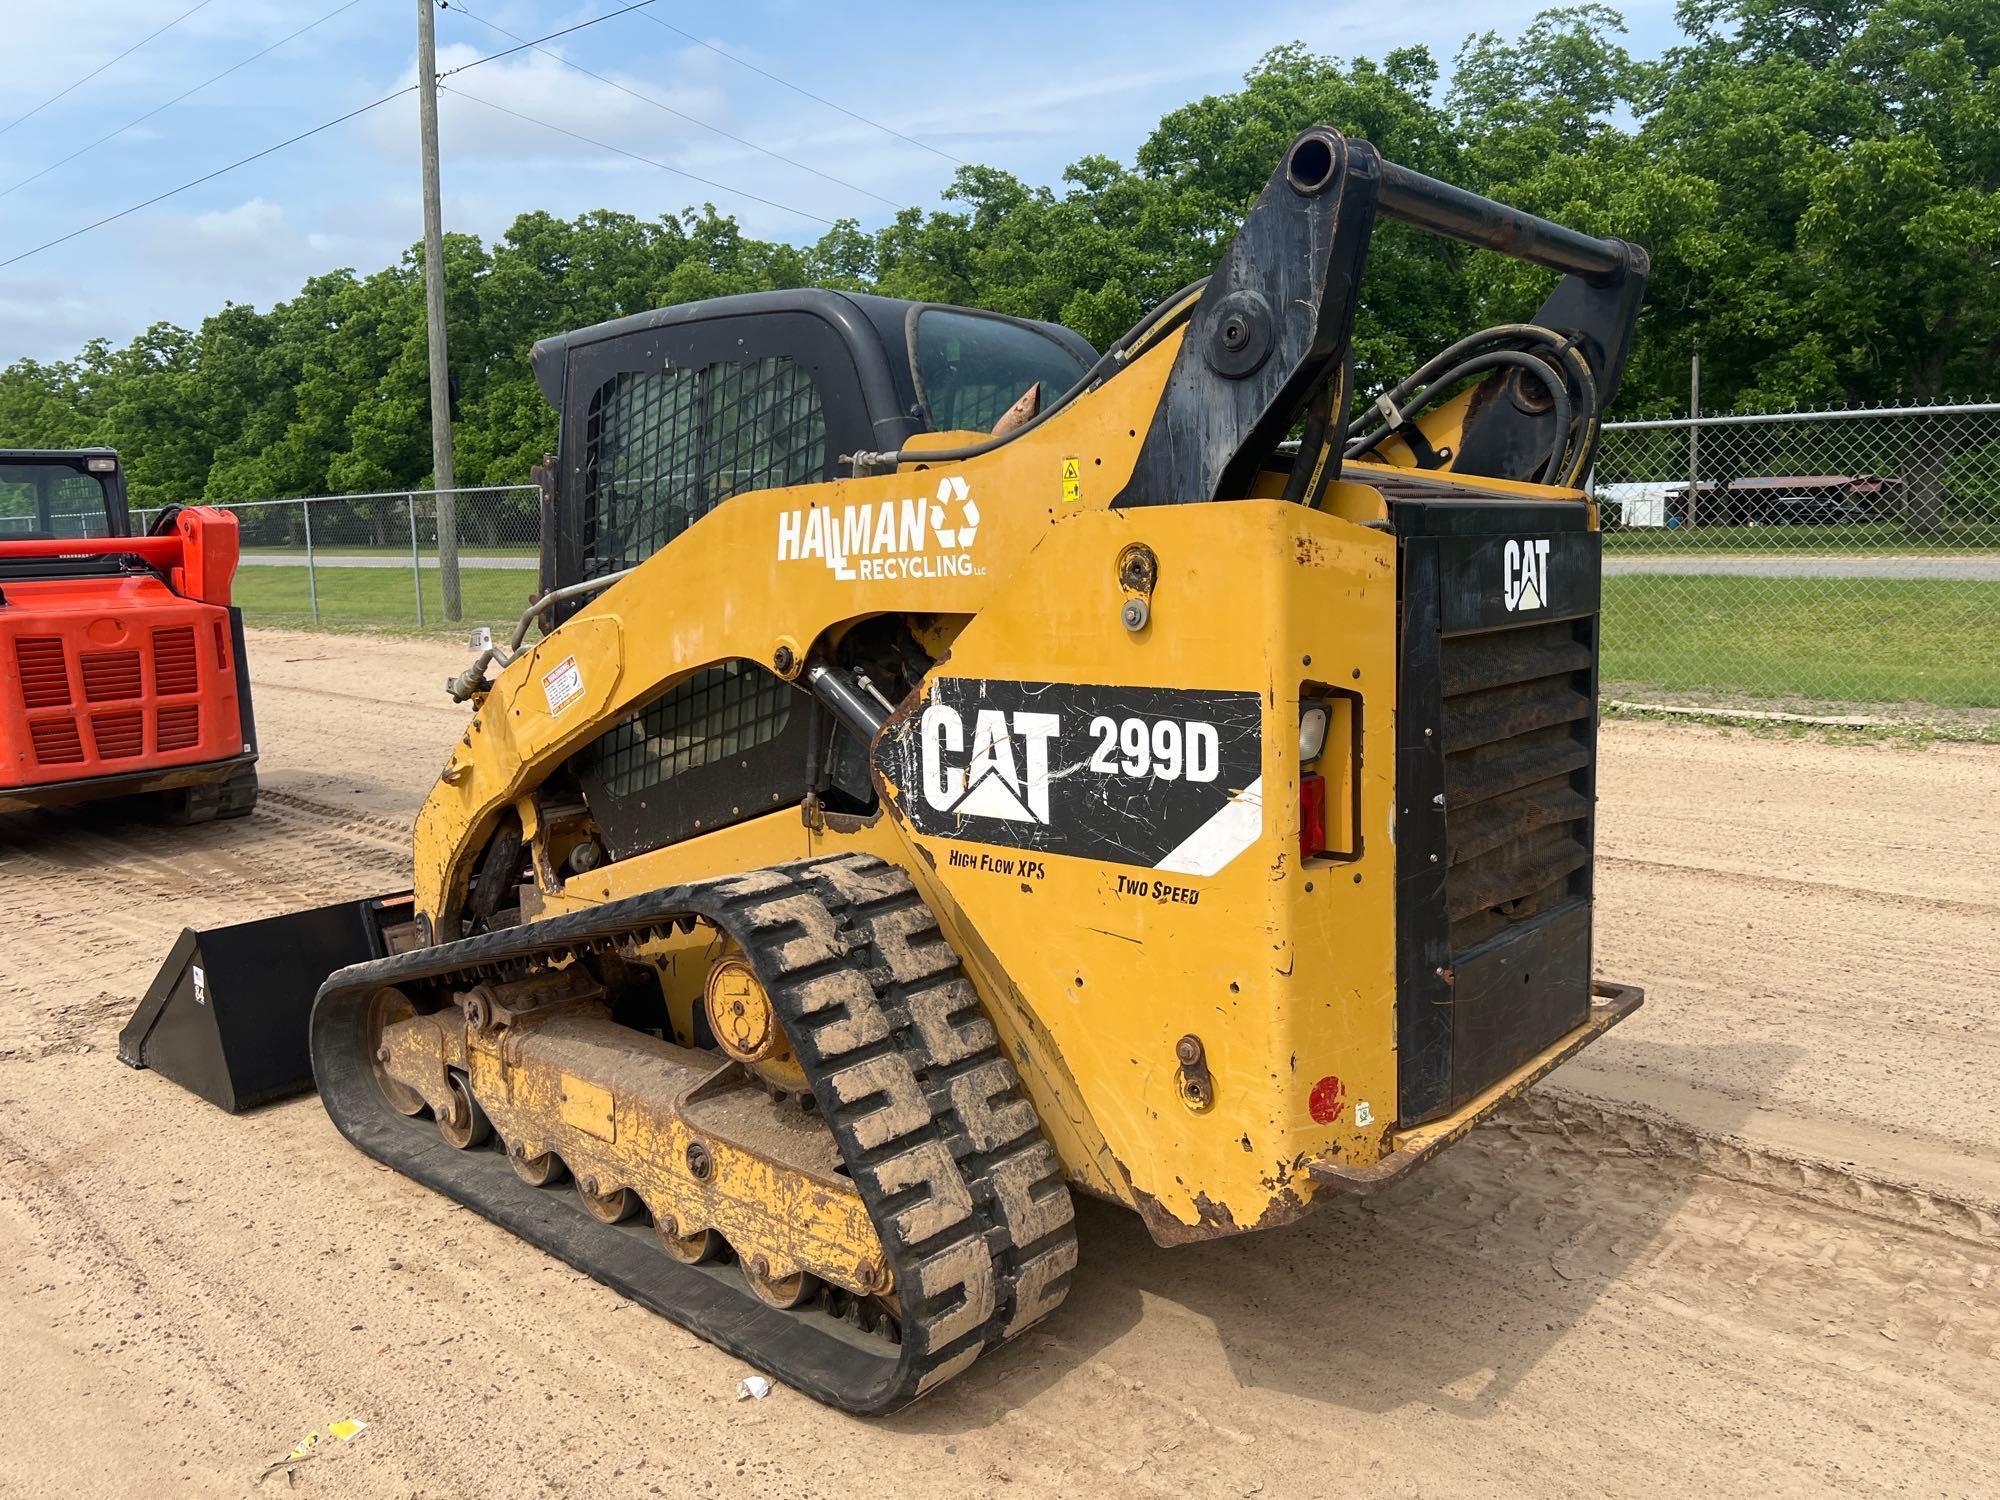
[1558, 364]
[1493, 359]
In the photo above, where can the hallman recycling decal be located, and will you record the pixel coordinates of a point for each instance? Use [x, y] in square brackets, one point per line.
[920, 536]
[1160, 778]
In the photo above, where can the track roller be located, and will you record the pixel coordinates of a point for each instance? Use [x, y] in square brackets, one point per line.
[689, 1249]
[613, 1207]
[544, 1170]
[462, 1122]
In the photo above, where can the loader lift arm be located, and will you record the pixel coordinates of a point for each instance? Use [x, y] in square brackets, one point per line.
[1271, 332]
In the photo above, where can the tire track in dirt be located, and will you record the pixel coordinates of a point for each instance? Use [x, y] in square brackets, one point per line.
[345, 819]
[1444, 1337]
[1980, 910]
[457, 712]
[1583, 1300]
[96, 901]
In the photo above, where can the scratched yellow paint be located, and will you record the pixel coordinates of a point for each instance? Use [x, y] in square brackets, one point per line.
[1284, 971]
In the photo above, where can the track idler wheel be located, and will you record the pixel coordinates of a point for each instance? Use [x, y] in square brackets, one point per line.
[386, 1007]
[465, 1125]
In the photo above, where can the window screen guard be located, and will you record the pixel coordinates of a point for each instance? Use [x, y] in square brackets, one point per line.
[665, 447]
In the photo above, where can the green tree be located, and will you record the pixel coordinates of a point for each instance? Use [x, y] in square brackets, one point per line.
[1817, 181]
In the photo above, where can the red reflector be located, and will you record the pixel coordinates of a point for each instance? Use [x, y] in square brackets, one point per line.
[1312, 816]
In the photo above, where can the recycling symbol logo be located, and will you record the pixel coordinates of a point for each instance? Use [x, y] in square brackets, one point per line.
[952, 491]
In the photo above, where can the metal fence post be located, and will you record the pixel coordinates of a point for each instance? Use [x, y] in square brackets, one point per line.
[312, 577]
[1694, 439]
[416, 563]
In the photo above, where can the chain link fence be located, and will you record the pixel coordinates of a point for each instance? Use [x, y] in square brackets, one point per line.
[371, 561]
[1844, 561]
[1846, 558]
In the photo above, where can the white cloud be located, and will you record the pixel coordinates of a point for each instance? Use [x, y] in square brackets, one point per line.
[988, 83]
[52, 316]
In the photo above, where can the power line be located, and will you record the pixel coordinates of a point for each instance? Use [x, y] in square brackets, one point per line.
[102, 66]
[679, 115]
[635, 156]
[157, 109]
[293, 140]
[807, 93]
[480, 62]
[207, 177]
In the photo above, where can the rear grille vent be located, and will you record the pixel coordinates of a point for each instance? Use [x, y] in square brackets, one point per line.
[44, 675]
[1495, 767]
[56, 742]
[174, 667]
[1516, 827]
[109, 676]
[119, 736]
[179, 726]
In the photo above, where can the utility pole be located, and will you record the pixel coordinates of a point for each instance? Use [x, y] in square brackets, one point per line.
[1694, 433]
[440, 359]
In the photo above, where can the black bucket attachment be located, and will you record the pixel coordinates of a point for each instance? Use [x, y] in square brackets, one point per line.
[227, 1015]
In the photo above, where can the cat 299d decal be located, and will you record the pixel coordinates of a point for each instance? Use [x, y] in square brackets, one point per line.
[1163, 779]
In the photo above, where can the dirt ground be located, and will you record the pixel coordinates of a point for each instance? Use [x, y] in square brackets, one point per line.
[1747, 1244]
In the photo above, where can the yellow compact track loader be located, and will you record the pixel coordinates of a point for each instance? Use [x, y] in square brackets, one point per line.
[962, 769]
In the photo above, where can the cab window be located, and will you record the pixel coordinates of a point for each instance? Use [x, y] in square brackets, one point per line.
[970, 368]
[53, 500]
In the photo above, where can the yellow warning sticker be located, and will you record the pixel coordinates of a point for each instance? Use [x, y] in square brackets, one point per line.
[1072, 481]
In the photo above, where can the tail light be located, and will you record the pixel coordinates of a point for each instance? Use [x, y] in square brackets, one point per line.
[1312, 816]
[1328, 792]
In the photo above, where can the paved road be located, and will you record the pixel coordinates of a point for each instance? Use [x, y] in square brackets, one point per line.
[1975, 569]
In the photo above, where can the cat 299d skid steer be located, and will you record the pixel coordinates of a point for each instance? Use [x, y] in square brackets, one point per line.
[934, 795]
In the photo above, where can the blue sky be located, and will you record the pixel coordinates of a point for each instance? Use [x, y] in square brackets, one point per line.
[1025, 85]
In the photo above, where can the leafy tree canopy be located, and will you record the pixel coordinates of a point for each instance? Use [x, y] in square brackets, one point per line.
[1818, 182]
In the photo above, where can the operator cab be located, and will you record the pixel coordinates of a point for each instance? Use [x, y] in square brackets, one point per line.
[51, 493]
[666, 414]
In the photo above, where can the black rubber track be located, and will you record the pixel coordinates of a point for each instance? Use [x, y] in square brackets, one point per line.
[929, 1116]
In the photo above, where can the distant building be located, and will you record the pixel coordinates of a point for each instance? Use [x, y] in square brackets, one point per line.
[1634, 504]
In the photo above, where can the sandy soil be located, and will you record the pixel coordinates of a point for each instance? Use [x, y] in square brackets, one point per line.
[1749, 1243]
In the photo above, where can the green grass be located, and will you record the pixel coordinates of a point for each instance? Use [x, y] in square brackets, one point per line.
[379, 598]
[1824, 640]
[1887, 536]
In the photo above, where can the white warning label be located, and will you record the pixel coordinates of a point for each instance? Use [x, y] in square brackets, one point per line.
[562, 685]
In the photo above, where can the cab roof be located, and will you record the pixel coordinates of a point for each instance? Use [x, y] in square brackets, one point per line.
[860, 317]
